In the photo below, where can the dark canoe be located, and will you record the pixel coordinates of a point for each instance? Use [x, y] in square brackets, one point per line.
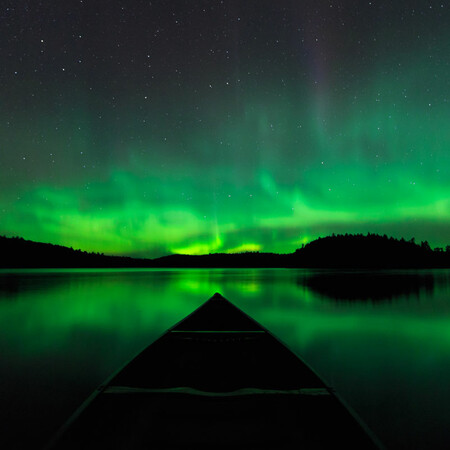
[217, 379]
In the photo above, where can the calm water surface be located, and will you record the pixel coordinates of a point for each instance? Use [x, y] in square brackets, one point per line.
[382, 340]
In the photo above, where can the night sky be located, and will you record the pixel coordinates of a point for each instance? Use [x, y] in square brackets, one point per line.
[150, 127]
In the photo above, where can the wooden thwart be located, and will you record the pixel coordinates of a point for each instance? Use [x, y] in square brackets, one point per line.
[219, 331]
[237, 393]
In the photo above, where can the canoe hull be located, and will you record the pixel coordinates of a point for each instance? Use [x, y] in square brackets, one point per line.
[217, 379]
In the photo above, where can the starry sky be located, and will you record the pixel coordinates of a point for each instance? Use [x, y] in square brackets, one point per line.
[145, 128]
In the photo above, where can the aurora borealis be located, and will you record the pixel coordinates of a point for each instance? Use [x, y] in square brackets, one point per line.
[145, 128]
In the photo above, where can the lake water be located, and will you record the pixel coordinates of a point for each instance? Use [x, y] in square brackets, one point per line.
[381, 339]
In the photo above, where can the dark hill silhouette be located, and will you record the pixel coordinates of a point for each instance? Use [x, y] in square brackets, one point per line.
[342, 251]
[239, 260]
[371, 251]
[18, 252]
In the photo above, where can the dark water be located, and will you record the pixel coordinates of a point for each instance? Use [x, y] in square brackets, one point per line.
[382, 340]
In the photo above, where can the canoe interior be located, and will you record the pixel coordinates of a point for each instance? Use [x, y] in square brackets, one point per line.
[217, 379]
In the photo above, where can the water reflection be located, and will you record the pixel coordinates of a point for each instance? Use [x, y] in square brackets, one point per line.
[14, 284]
[310, 284]
[372, 286]
[63, 332]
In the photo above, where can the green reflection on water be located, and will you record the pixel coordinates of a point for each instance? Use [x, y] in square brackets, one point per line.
[65, 331]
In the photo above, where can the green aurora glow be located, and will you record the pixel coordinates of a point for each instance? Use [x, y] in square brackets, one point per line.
[264, 156]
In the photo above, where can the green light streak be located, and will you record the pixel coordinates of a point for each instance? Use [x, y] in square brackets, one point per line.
[278, 173]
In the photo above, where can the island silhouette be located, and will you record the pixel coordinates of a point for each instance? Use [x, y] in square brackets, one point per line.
[355, 251]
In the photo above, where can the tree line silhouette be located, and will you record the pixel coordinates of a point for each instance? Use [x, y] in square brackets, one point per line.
[335, 251]
[19, 252]
[371, 250]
